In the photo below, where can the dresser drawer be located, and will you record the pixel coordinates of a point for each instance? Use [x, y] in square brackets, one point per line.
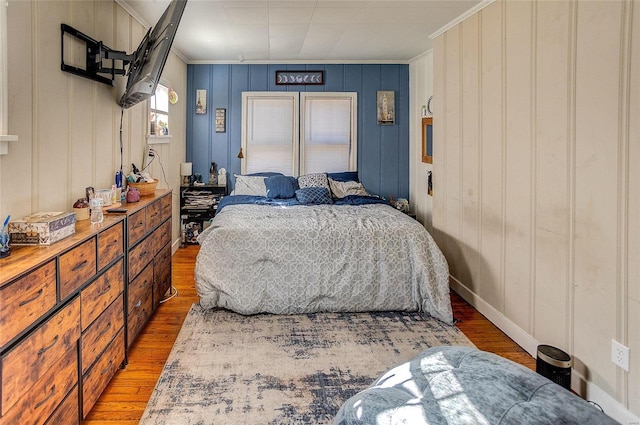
[161, 236]
[140, 288]
[140, 256]
[166, 206]
[161, 274]
[110, 245]
[101, 373]
[42, 399]
[26, 300]
[140, 303]
[96, 338]
[136, 226]
[67, 412]
[33, 357]
[154, 215]
[76, 267]
[97, 296]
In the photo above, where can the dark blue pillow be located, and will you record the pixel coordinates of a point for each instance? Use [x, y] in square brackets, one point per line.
[314, 195]
[345, 176]
[283, 187]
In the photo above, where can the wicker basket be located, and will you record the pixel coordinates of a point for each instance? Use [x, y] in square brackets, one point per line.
[145, 188]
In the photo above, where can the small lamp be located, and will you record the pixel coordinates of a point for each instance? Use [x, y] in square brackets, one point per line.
[186, 169]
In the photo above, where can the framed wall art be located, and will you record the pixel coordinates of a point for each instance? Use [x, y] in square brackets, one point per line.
[427, 140]
[221, 118]
[299, 77]
[201, 102]
[386, 107]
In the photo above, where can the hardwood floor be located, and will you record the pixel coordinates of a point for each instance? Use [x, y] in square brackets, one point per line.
[124, 400]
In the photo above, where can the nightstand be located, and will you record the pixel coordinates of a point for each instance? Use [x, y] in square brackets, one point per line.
[198, 204]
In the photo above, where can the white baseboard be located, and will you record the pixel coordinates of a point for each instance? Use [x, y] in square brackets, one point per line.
[588, 390]
[514, 332]
[175, 245]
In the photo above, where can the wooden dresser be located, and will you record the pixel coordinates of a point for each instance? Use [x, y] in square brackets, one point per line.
[68, 311]
[148, 258]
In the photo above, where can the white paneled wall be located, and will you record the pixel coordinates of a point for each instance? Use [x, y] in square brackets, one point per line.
[421, 88]
[537, 177]
[69, 126]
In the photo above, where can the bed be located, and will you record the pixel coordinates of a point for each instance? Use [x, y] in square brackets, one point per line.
[264, 254]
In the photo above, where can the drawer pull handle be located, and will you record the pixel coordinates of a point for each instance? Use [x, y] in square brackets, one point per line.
[105, 330]
[143, 254]
[80, 265]
[108, 368]
[49, 347]
[105, 290]
[30, 300]
[138, 304]
[112, 243]
[51, 393]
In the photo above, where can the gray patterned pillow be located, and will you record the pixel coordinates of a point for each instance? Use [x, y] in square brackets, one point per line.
[342, 189]
[313, 180]
[314, 195]
[250, 185]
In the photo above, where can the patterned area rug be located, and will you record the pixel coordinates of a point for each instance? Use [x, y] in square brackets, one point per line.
[226, 368]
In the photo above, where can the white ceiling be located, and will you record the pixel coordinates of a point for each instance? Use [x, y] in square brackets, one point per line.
[232, 31]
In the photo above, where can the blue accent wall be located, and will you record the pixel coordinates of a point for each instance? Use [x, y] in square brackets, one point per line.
[383, 150]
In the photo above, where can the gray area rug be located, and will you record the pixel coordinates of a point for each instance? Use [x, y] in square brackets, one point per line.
[226, 368]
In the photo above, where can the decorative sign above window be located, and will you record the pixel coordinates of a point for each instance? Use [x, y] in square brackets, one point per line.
[299, 77]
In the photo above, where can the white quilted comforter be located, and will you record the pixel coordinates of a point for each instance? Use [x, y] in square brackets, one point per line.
[302, 259]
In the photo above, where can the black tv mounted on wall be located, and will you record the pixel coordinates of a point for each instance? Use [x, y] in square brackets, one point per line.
[145, 65]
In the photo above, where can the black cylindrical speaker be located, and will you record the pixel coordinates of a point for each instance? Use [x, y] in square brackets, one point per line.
[554, 364]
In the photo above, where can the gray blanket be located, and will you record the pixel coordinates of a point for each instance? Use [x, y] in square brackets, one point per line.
[302, 259]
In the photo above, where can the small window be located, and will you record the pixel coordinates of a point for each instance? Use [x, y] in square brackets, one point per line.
[159, 112]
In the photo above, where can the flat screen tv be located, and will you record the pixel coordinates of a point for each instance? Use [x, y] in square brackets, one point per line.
[151, 55]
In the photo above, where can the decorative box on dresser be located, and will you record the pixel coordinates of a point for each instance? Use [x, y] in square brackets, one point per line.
[69, 311]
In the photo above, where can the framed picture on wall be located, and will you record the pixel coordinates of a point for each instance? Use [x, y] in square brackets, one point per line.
[299, 77]
[427, 140]
[201, 102]
[386, 107]
[221, 118]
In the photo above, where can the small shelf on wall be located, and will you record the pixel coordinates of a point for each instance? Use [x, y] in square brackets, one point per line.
[4, 143]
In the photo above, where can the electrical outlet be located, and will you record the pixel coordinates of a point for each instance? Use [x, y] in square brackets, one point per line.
[148, 154]
[620, 355]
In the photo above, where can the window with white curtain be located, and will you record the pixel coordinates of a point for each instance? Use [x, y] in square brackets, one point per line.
[270, 132]
[325, 140]
[159, 112]
[328, 129]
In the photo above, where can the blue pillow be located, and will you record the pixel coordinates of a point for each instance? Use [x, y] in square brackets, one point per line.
[314, 195]
[281, 187]
[345, 176]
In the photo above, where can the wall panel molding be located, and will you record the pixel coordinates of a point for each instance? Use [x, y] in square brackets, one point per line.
[555, 164]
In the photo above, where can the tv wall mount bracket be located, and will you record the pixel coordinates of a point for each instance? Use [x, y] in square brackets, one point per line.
[96, 54]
